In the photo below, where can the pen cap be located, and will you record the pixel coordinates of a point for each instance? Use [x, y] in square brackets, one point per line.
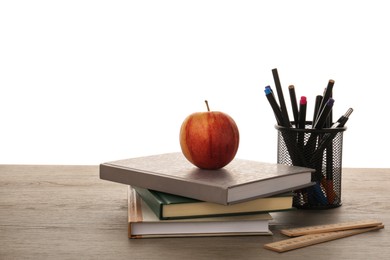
[319, 149]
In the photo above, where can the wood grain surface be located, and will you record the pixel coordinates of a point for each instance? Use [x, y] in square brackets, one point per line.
[67, 212]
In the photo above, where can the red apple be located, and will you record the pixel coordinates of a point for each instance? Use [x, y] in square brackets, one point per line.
[209, 140]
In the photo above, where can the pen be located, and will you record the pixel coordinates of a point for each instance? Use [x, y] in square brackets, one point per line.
[272, 92]
[328, 137]
[293, 150]
[328, 185]
[294, 104]
[268, 87]
[274, 106]
[312, 141]
[317, 196]
[279, 90]
[324, 114]
[343, 119]
[330, 117]
[317, 105]
[328, 180]
[327, 95]
[326, 143]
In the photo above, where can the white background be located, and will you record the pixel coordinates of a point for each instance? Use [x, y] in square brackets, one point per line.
[85, 82]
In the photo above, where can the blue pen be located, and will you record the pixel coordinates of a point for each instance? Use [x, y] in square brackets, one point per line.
[274, 105]
[316, 195]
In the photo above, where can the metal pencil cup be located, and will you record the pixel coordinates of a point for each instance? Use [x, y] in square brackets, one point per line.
[317, 149]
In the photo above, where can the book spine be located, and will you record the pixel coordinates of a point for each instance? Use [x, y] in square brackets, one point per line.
[153, 202]
[134, 210]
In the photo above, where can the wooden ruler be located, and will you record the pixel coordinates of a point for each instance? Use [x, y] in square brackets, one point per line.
[316, 238]
[329, 228]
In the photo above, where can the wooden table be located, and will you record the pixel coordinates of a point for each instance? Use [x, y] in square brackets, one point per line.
[67, 212]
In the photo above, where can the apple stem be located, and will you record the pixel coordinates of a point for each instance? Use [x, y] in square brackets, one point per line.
[207, 105]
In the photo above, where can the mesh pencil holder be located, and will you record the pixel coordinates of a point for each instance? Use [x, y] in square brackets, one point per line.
[317, 149]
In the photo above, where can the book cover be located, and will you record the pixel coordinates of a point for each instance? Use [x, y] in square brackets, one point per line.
[170, 206]
[240, 180]
[143, 223]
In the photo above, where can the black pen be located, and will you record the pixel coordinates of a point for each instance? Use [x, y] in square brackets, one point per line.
[324, 114]
[294, 104]
[311, 142]
[294, 152]
[343, 119]
[275, 106]
[279, 90]
[270, 89]
[330, 117]
[327, 95]
[328, 180]
[328, 137]
[317, 105]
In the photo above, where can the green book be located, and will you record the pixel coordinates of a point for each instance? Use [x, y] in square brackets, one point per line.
[170, 206]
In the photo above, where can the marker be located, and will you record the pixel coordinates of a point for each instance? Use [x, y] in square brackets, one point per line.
[324, 114]
[302, 121]
[279, 90]
[302, 112]
[294, 104]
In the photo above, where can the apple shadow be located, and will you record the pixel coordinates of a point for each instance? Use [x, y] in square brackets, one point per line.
[203, 174]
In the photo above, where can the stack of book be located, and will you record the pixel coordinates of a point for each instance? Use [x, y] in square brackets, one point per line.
[169, 197]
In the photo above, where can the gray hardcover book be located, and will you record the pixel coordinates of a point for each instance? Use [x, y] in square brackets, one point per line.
[239, 181]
